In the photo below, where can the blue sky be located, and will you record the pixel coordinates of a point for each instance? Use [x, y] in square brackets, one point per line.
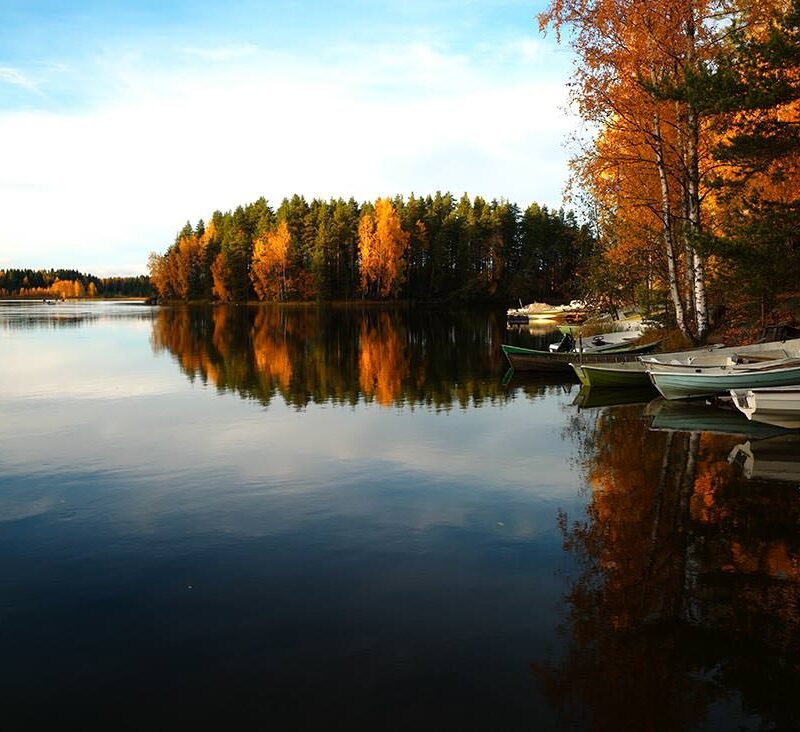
[121, 120]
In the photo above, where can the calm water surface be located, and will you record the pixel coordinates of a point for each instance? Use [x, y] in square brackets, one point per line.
[300, 518]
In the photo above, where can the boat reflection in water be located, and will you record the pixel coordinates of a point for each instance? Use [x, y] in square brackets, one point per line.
[684, 613]
[590, 397]
[699, 416]
[776, 458]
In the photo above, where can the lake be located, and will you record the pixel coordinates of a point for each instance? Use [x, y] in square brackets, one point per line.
[304, 518]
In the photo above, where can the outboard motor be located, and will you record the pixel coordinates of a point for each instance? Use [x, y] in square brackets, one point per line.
[565, 345]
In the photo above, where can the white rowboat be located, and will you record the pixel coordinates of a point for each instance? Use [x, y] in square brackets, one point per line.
[778, 405]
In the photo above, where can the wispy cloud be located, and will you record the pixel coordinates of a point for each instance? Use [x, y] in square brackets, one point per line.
[15, 77]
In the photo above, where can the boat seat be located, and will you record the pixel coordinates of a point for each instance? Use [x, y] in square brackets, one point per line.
[773, 363]
[760, 357]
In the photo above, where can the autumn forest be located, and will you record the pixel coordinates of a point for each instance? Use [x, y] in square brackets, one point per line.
[685, 182]
[431, 248]
[692, 145]
[684, 192]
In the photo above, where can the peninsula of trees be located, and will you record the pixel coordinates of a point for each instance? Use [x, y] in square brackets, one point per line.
[433, 248]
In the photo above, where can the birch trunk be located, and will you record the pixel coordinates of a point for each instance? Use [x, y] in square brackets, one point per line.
[688, 254]
[669, 237]
[695, 228]
[693, 195]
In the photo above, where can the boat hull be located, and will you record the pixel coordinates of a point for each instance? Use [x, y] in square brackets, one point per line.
[683, 385]
[605, 375]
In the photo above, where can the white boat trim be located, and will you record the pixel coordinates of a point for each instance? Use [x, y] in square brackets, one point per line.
[778, 405]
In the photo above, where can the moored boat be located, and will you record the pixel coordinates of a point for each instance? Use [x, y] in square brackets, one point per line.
[714, 355]
[687, 382]
[530, 359]
[611, 374]
[633, 373]
[545, 312]
[616, 323]
[777, 405]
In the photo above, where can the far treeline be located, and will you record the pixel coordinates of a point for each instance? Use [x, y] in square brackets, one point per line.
[693, 169]
[426, 249]
[68, 283]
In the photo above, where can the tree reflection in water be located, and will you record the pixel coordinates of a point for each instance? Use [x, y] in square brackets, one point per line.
[685, 609]
[684, 612]
[389, 356]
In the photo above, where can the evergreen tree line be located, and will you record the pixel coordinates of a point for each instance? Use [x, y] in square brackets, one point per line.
[431, 248]
[70, 283]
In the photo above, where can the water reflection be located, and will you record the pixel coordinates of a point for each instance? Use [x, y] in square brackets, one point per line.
[777, 458]
[686, 612]
[175, 552]
[341, 356]
[18, 315]
[367, 550]
[699, 416]
[592, 397]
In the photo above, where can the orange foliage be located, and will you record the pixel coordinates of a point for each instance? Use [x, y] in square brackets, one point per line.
[67, 288]
[382, 359]
[653, 152]
[382, 245]
[159, 278]
[667, 517]
[220, 275]
[271, 351]
[270, 261]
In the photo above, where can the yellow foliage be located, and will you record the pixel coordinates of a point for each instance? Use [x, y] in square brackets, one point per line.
[270, 261]
[220, 274]
[271, 351]
[67, 288]
[382, 361]
[382, 246]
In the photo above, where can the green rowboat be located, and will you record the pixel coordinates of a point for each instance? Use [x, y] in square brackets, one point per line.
[609, 374]
[530, 359]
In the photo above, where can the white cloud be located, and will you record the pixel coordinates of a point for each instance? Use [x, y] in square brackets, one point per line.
[107, 185]
[16, 78]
